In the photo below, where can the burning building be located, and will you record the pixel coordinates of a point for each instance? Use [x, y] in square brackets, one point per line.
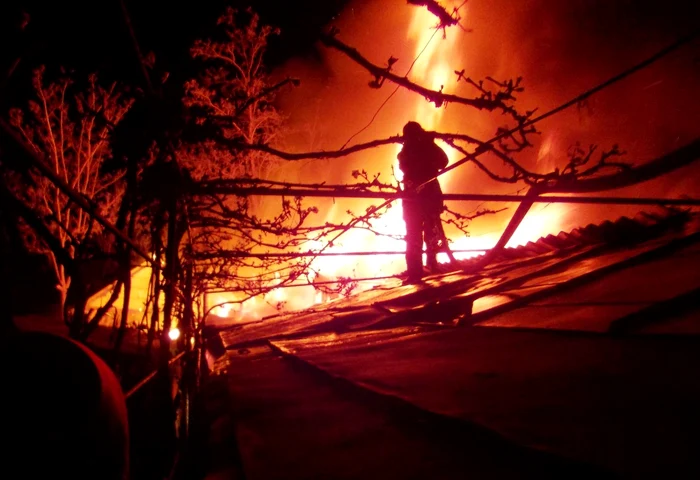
[549, 45]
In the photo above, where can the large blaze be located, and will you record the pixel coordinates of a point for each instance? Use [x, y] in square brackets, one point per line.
[436, 56]
[551, 45]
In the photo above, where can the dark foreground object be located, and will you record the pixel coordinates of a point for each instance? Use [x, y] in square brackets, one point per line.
[65, 413]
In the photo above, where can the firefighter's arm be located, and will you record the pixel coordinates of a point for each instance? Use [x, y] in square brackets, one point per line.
[402, 159]
[441, 159]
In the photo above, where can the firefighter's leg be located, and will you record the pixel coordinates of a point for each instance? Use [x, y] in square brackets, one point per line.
[414, 239]
[444, 244]
[433, 228]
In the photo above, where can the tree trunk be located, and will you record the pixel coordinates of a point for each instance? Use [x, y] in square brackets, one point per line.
[155, 276]
[125, 268]
[63, 290]
[77, 321]
[125, 273]
[170, 274]
[94, 322]
[188, 313]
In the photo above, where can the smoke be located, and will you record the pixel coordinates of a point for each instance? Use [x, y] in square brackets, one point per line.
[559, 48]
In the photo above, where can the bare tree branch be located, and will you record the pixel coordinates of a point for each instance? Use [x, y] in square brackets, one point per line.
[237, 144]
[628, 176]
[486, 101]
[446, 19]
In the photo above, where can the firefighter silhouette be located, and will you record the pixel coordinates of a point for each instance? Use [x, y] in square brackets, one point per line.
[421, 160]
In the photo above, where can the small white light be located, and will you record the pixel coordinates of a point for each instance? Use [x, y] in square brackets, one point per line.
[174, 333]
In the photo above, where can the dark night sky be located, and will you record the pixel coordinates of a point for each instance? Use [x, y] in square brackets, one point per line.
[92, 36]
[86, 36]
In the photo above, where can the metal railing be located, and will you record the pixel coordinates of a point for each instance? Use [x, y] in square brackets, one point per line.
[151, 376]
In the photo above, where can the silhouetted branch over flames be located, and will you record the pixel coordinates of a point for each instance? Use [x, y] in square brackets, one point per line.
[343, 152]
[446, 19]
[486, 101]
[627, 176]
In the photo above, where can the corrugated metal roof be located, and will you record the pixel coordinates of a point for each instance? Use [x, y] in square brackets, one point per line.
[515, 278]
[623, 231]
[569, 344]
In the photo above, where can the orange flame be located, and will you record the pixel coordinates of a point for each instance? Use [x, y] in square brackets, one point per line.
[434, 68]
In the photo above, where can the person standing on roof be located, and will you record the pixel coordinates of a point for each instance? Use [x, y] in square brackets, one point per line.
[421, 160]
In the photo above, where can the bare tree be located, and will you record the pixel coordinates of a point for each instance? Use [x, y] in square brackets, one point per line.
[233, 95]
[70, 126]
[232, 100]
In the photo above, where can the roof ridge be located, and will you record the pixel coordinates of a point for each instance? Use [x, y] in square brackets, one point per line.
[623, 230]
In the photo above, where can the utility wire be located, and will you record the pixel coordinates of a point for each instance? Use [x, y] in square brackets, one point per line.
[324, 282]
[645, 63]
[392, 93]
[235, 254]
[657, 56]
[405, 75]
